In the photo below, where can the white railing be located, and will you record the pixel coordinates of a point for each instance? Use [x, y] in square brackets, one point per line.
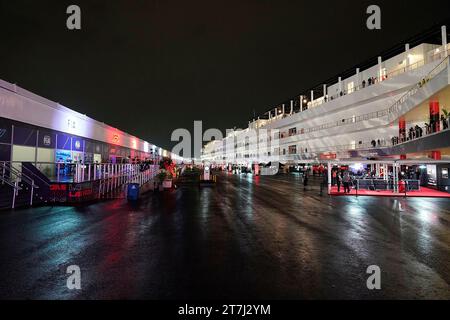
[435, 56]
[377, 114]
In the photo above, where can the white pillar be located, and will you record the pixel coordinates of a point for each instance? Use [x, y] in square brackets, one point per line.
[340, 85]
[407, 55]
[301, 102]
[393, 177]
[283, 109]
[379, 68]
[358, 79]
[292, 107]
[324, 91]
[312, 96]
[444, 39]
[396, 176]
[329, 177]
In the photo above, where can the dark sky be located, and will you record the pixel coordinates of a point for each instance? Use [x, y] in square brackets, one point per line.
[149, 67]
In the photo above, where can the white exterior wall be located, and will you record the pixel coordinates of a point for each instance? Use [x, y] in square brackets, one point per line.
[21, 105]
[371, 99]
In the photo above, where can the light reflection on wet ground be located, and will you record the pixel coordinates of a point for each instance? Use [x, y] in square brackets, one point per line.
[248, 237]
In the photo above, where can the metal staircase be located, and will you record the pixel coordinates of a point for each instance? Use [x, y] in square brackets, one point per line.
[18, 187]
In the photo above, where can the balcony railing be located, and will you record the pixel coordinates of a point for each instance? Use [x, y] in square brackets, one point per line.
[395, 107]
[435, 56]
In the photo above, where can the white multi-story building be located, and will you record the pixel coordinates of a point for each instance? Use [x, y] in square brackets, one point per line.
[394, 109]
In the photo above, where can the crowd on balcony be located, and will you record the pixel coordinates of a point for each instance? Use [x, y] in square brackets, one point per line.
[417, 131]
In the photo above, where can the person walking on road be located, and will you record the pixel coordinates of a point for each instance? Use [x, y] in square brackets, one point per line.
[346, 180]
[305, 181]
[338, 181]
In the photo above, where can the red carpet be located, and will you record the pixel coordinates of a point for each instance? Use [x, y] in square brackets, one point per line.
[423, 192]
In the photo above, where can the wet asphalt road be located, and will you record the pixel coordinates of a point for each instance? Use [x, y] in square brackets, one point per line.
[249, 237]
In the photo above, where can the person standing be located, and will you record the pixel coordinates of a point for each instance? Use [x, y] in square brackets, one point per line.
[346, 181]
[444, 122]
[339, 181]
[305, 181]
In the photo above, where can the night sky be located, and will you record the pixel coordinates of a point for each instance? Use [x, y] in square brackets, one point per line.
[149, 67]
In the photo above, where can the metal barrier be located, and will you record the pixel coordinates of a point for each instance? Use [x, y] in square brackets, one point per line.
[101, 180]
[404, 187]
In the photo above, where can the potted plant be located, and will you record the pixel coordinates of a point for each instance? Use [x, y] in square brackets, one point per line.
[446, 113]
[169, 168]
[167, 182]
[161, 178]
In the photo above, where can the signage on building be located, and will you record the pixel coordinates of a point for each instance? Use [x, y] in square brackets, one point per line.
[77, 144]
[327, 156]
[71, 124]
[47, 140]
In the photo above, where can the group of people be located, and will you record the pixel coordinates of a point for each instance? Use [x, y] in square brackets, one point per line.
[370, 81]
[145, 165]
[340, 178]
[416, 131]
[378, 143]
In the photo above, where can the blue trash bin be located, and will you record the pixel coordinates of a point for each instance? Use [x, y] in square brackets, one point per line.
[133, 192]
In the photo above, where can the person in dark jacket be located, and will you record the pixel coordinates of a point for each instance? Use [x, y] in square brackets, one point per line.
[305, 180]
[444, 122]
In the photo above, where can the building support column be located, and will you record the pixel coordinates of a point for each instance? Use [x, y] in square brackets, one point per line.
[406, 56]
[434, 116]
[380, 68]
[358, 79]
[329, 177]
[444, 40]
[402, 129]
[395, 176]
[436, 155]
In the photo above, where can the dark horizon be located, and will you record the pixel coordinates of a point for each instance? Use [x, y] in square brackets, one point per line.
[149, 68]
